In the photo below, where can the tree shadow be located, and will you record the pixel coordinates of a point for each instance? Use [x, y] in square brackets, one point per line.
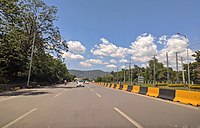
[24, 93]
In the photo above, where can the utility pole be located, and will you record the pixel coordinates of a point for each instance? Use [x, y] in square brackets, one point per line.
[32, 49]
[154, 71]
[177, 79]
[124, 76]
[117, 76]
[167, 68]
[187, 60]
[188, 67]
[131, 71]
[183, 71]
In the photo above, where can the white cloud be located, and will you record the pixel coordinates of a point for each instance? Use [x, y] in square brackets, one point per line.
[175, 44]
[123, 67]
[85, 64]
[76, 47]
[143, 48]
[113, 61]
[94, 61]
[108, 49]
[111, 66]
[72, 56]
[123, 61]
[163, 39]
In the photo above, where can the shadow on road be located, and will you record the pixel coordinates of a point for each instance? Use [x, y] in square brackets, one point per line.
[24, 93]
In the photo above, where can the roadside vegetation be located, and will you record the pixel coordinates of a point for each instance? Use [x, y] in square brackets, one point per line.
[160, 75]
[22, 23]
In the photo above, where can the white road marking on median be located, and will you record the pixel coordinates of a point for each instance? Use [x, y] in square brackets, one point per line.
[21, 117]
[128, 118]
[98, 95]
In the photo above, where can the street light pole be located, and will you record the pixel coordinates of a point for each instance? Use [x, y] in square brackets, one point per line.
[29, 72]
[188, 67]
[187, 60]
[154, 71]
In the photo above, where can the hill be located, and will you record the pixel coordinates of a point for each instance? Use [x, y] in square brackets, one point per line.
[91, 74]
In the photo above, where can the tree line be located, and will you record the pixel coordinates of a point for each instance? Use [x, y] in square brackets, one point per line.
[160, 73]
[22, 24]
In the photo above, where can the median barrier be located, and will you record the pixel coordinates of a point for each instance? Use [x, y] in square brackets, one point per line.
[112, 86]
[154, 92]
[130, 88]
[136, 89]
[143, 90]
[115, 86]
[121, 87]
[108, 85]
[166, 94]
[118, 86]
[125, 87]
[187, 97]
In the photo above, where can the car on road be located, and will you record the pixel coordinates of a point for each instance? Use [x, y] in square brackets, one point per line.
[80, 83]
[86, 82]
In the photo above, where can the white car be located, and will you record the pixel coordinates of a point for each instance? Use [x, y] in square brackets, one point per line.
[80, 83]
[86, 82]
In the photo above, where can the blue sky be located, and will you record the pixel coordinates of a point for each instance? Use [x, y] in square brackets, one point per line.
[121, 22]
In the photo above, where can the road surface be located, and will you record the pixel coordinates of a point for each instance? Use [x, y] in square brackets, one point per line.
[91, 106]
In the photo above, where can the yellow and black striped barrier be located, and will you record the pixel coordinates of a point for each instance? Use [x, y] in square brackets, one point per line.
[182, 96]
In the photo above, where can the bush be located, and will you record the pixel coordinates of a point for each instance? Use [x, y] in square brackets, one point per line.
[195, 86]
[161, 84]
[175, 85]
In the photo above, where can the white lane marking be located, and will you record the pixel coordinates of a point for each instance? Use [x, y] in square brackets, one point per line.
[128, 118]
[57, 95]
[7, 98]
[21, 117]
[91, 89]
[98, 95]
[60, 93]
[166, 101]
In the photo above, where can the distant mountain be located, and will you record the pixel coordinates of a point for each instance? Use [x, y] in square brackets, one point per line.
[91, 74]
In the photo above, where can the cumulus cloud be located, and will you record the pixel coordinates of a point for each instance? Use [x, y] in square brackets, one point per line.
[123, 61]
[163, 40]
[76, 47]
[105, 48]
[143, 48]
[113, 61]
[95, 61]
[123, 67]
[85, 64]
[175, 43]
[111, 66]
[72, 56]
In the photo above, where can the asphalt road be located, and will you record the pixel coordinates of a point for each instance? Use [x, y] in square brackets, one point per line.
[91, 106]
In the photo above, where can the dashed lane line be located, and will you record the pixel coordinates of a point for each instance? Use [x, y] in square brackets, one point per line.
[21, 117]
[98, 95]
[60, 93]
[128, 118]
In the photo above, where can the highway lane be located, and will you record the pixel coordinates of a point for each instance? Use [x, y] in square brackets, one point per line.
[149, 111]
[93, 106]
